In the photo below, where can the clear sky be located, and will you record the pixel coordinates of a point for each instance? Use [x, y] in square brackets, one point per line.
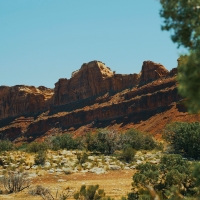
[44, 40]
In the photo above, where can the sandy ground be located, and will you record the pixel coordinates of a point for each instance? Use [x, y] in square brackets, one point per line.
[115, 183]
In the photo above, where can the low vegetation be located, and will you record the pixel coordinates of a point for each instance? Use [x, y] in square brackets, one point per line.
[103, 141]
[36, 147]
[40, 158]
[107, 142]
[128, 154]
[172, 178]
[161, 176]
[15, 182]
[184, 138]
[138, 140]
[6, 145]
[46, 193]
[65, 141]
[91, 192]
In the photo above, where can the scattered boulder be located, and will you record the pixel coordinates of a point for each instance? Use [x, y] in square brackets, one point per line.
[114, 167]
[67, 170]
[97, 170]
[51, 171]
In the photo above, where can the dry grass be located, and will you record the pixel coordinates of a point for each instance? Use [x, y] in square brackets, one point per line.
[115, 183]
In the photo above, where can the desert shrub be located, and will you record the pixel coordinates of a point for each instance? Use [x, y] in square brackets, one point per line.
[90, 142]
[82, 157]
[15, 182]
[6, 145]
[184, 138]
[39, 190]
[132, 196]
[172, 174]
[40, 158]
[108, 141]
[104, 141]
[45, 193]
[196, 175]
[92, 192]
[138, 140]
[22, 147]
[64, 141]
[35, 147]
[128, 154]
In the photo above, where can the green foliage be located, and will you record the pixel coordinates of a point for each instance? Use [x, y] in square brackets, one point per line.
[82, 157]
[91, 142]
[35, 147]
[196, 174]
[6, 145]
[133, 196]
[182, 17]
[108, 141]
[189, 80]
[104, 141]
[128, 154]
[22, 147]
[173, 171]
[64, 141]
[92, 192]
[148, 174]
[138, 140]
[40, 158]
[184, 137]
[141, 195]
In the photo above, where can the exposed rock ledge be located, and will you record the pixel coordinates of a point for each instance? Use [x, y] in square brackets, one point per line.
[94, 96]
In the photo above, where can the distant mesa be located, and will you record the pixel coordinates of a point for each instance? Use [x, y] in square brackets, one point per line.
[94, 96]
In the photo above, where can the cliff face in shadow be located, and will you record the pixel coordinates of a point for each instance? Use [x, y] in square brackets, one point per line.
[94, 96]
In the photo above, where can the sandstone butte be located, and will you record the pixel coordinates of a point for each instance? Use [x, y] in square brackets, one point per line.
[94, 97]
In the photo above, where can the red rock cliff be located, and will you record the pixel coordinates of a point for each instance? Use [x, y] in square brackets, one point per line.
[23, 100]
[93, 96]
[92, 79]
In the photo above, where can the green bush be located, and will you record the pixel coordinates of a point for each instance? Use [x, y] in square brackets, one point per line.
[108, 141]
[138, 140]
[128, 154]
[104, 141]
[22, 147]
[92, 192]
[40, 158]
[6, 145]
[184, 137]
[172, 174]
[196, 175]
[64, 141]
[90, 142]
[82, 157]
[35, 147]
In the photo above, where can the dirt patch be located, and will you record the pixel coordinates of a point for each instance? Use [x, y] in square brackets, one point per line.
[115, 183]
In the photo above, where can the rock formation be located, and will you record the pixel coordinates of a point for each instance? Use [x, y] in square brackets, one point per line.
[23, 100]
[94, 97]
[93, 79]
[152, 71]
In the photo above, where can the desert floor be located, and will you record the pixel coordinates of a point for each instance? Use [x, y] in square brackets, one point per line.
[115, 184]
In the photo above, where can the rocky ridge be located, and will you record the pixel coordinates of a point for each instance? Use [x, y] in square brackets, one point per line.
[94, 97]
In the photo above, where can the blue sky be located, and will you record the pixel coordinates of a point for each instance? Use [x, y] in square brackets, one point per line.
[44, 40]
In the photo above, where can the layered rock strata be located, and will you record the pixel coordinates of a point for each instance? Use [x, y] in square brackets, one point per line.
[94, 96]
[23, 100]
